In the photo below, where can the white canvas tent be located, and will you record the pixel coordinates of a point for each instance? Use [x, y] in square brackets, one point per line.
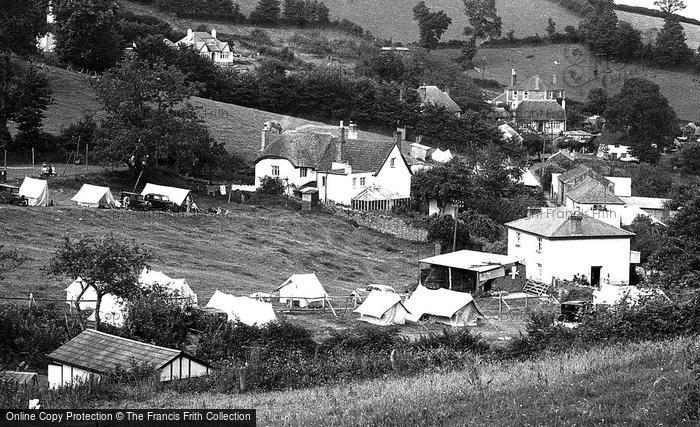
[36, 191]
[94, 196]
[87, 301]
[178, 287]
[441, 156]
[612, 295]
[246, 310]
[112, 310]
[302, 290]
[382, 308]
[177, 195]
[444, 306]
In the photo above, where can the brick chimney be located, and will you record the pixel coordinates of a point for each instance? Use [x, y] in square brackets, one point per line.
[213, 33]
[398, 137]
[352, 131]
[264, 137]
[575, 221]
[189, 32]
[513, 77]
[554, 79]
[340, 146]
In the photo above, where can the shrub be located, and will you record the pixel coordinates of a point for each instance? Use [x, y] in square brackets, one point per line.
[271, 185]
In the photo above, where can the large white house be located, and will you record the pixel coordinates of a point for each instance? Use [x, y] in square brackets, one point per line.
[208, 46]
[346, 169]
[559, 244]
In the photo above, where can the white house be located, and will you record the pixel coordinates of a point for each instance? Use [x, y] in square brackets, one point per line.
[347, 170]
[92, 354]
[616, 152]
[208, 46]
[47, 42]
[557, 243]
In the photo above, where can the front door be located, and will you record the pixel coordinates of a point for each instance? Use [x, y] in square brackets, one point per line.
[595, 276]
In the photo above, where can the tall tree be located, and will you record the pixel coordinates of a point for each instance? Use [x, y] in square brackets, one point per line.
[551, 27]
[644, 114]
[266, 12]
[600, 28]
[597, 101]
[671, 47]
[629, 41]
[21, 22]
[485, 22]
[106, 264]
[670, 6]
[87, 33]
[431, 25]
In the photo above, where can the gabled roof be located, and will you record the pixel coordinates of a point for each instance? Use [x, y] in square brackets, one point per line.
[557, 224]
[470, 260]
[574, 174]
[437, 302]
[535, 83]
[374, 193]
[362, 154]
[503, 97]
[377, 303]
[539, 111]
[561, 153]
[100, 353]
[591, 191]
[303, 149]
[433, 96]
[200, 39]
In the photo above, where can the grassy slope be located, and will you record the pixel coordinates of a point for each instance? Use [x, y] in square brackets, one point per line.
[631, 384]
[238, 127]
[645, 23]
[678, 87]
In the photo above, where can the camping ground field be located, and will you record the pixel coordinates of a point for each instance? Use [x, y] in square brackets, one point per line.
[637, 384]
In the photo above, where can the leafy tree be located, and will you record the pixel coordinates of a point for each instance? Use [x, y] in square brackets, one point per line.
[629, 41]
[644, 114]
[600, 29]
[485, 23]
[670, 6]
[10, 259]
[382, 66]
[651, 181]
[431, 25]
[266, 12]
[272, 185]
[108, 265]
[24, 96]
[87, 33]
[596, 101]
[441, 229]
[21, 22]
[445, 183]
[533, 143]
[671, 47]
[551, 27]
[149, 120]
[687, 159]
[649, 238]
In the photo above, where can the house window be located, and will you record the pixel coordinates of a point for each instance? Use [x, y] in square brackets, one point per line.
[302, 172]
[517, 238]
[515, 94]
[392, 162]
[275, 171]
[539, 244]
[525, 94]
[224, 55]
[539, 270]
[323, 181]
[362, 182]
[623, 155]
[354, 182]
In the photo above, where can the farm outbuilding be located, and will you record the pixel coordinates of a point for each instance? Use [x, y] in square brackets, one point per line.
[382, 308]
[36, 191]
[92, 354]
[473, 271]
[443, 306]
[94, 196]
[246, 310]
[302, 290]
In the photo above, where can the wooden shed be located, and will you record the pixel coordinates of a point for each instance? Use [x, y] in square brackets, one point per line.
[92, 354]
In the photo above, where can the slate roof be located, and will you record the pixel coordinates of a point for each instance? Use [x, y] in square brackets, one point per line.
[432, 95]
[99, 352]
[540, 111]
[556, 224]
[362, 154]
[535, 83]
[303, 149]
[371, 194]
[572, 174]
[199, 39]
[591, 191]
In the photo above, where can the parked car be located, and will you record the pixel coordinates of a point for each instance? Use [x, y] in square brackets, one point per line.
[9, 194]
[361, 293]
[134, 201]
[161, 202]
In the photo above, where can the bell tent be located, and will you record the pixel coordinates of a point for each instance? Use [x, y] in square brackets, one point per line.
[246, 310]
[382, 308]
[443, 306]
[94, 196]
[36, 191]
[302, 290]
[176, 195]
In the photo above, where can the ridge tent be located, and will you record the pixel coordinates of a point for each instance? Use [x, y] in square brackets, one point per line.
[176, 195]
[179, 287]
[94, 196]
[302, 290]
[441, 156]
[36, 191]
[246, 310]
[87, 301]
[382, 308]
[112, 310]
[444, 306]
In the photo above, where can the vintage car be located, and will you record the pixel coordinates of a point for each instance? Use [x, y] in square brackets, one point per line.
[9, 194]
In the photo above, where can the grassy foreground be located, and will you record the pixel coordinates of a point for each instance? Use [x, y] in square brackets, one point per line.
[623, 384]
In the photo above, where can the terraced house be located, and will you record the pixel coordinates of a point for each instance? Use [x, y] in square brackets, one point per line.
[345, 169]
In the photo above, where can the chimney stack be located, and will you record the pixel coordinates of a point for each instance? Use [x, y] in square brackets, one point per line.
[264, 137]
[213, 33]
[189, 32]
[447, 90]
[340, 145]
[513, 77]
[575, 219]
[554, 79]
[352, 131]
[398, 137]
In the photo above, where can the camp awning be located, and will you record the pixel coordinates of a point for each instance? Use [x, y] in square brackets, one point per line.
[176, 195]
[471, 260]
[95, 196]
[246, 310]
[36, 191]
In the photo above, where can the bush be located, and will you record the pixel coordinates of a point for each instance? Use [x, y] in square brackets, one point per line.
[272, 185]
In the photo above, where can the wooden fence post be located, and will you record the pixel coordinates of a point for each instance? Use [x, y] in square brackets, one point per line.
[392, 359]
[500, 306]
[242, 373]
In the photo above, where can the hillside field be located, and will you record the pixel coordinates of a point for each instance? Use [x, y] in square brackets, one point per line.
[632, 384]
[239, 127]
[575, 72]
